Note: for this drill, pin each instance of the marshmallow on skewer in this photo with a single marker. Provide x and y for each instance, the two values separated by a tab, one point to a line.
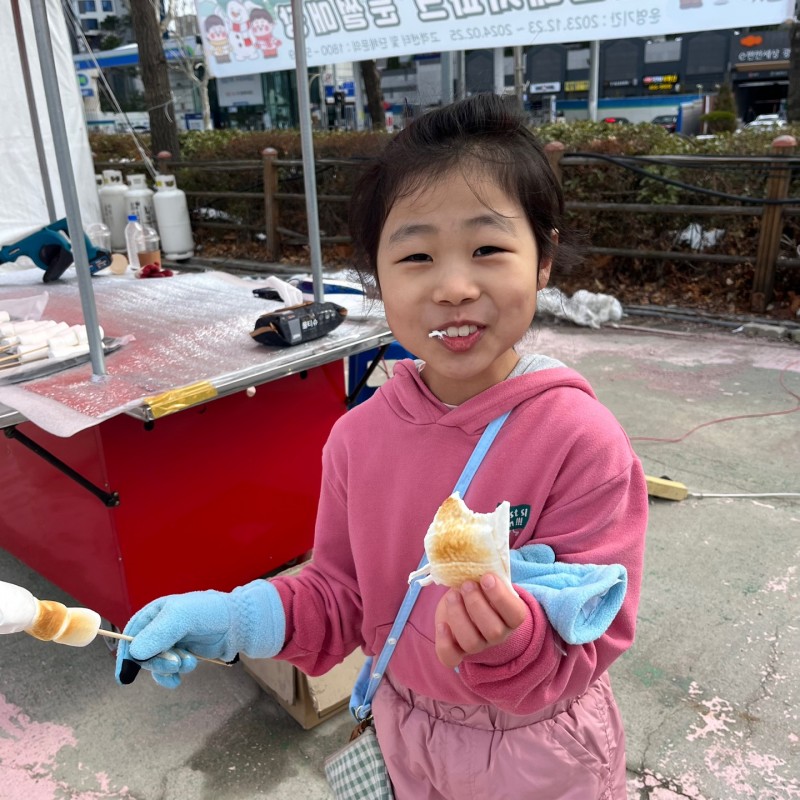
67	338
58	349
5	316
41	335
46	620
25	326
83	336
31	352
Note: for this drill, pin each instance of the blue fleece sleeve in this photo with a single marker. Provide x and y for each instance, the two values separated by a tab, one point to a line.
580	600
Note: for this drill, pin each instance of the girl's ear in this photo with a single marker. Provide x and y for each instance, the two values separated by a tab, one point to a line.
545	265
543	275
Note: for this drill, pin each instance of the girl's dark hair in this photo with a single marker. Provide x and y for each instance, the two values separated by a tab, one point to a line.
261	13
483	136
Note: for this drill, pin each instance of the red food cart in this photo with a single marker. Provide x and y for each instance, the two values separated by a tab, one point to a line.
195	464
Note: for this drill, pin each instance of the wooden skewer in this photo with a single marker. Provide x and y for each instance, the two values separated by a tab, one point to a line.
114	635
17	356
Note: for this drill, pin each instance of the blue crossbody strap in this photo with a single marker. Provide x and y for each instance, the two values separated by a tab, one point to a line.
378	668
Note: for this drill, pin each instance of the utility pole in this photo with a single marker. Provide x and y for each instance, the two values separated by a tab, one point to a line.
594	79
519	75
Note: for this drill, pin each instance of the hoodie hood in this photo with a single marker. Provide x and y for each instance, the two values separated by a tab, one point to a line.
410	399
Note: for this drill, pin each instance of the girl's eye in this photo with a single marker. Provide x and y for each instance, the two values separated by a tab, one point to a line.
488	250
417	257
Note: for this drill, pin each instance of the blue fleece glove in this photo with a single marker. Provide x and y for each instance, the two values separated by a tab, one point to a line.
580	600
167	632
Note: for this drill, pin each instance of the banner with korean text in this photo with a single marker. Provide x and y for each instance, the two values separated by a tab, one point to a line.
241	37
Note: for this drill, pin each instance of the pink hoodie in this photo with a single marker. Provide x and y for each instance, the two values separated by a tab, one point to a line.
573	482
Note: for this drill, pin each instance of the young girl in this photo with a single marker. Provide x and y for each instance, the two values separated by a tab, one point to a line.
459	222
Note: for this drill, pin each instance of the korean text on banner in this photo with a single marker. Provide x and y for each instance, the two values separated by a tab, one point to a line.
242	37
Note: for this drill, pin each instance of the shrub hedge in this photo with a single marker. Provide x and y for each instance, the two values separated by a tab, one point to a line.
712	285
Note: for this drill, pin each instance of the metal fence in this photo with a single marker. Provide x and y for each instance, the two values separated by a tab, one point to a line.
266	198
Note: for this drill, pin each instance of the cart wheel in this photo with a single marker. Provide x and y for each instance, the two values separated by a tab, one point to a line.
110	643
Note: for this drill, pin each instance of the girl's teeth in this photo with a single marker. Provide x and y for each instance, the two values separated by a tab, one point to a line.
463	330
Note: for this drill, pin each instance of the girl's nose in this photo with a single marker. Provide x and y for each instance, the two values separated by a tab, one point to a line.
455	284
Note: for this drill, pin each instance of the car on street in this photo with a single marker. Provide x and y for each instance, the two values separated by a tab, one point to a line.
669	122
616	120
765	122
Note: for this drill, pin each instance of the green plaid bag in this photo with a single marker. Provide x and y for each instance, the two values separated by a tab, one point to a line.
358	771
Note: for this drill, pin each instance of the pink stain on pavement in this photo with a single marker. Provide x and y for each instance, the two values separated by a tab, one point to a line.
736	768
28	752
717	349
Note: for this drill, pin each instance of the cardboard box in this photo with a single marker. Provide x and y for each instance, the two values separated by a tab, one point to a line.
309	700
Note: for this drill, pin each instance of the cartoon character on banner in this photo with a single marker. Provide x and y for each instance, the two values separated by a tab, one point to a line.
217	38
261	25
239	31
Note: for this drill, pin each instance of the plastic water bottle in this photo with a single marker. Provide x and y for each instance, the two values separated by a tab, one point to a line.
172	213
132	231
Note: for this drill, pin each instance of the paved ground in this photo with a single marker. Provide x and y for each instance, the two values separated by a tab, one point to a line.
709	691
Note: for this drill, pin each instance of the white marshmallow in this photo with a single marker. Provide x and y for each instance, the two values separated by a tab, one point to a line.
5	316
41	335
67	338
31	352
57	350
83	337
26	326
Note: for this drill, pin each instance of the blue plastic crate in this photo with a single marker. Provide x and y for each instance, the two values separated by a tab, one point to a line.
358	365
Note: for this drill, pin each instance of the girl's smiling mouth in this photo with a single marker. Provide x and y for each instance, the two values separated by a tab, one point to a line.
454	331
458	338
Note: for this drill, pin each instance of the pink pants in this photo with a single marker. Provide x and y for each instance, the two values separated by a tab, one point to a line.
573	750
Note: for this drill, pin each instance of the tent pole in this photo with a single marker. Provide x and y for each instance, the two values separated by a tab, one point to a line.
31	98
307	143
68	186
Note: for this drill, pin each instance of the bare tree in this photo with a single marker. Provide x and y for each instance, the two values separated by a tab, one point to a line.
155	77
372	87
186	61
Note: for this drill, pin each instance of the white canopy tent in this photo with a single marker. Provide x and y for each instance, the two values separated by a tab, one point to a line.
23	186
38	152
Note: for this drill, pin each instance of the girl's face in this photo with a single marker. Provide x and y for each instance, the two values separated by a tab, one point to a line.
449	261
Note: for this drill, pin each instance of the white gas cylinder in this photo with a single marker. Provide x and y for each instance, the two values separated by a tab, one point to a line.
114	207
140	200
172	215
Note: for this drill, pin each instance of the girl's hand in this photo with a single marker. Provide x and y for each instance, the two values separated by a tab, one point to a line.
475	617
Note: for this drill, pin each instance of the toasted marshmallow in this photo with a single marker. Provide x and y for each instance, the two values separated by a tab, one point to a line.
46	620
55	622
463	546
